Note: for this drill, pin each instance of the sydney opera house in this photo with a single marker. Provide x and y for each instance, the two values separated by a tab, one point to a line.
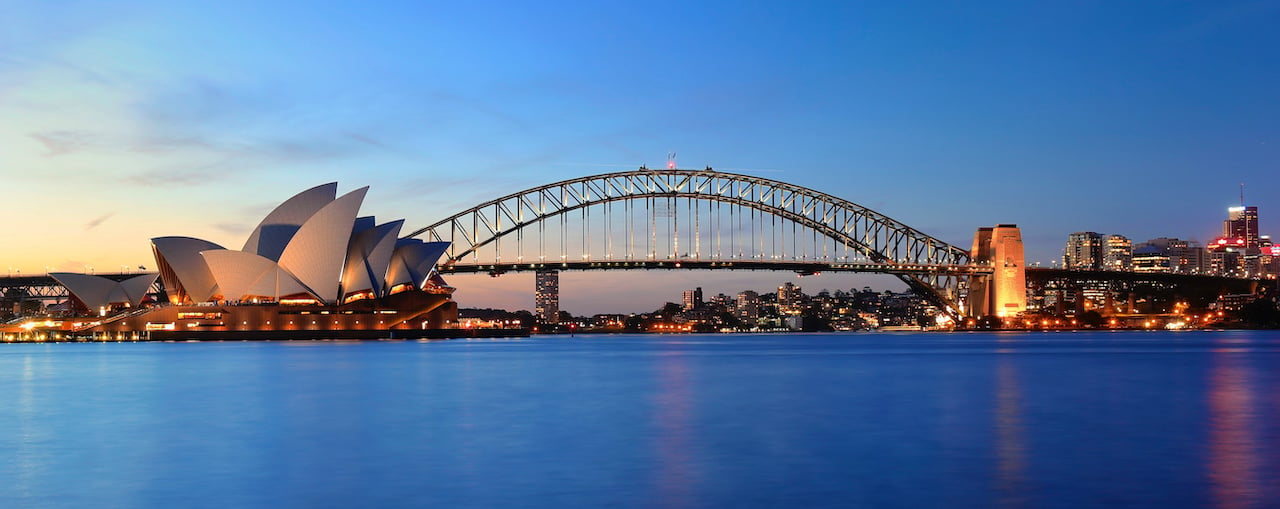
313	268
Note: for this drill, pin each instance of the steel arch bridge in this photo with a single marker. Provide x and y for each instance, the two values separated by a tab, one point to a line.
695	219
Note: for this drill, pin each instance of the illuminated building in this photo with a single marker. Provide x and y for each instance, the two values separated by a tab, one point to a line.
1242	223
1004	292
1118	254
1151	258
790	299
283	280
692	299
1083	251
748	305
546	296
1226	262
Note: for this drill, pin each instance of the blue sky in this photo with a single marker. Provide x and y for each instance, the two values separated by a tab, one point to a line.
122	121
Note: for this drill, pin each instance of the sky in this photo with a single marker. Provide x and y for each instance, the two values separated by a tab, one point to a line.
121	121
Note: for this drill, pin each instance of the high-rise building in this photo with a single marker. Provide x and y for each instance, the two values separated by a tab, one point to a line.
1083	251
1192	258
546	297
1118	254
692	299
748	305
1151	258
1242	223
1167	254
1226	262
790	299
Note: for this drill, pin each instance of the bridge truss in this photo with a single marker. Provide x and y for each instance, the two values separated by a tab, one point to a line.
696	219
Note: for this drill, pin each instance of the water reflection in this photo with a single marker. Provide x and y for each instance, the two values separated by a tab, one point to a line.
28	465
1233	449
673	441
1011	442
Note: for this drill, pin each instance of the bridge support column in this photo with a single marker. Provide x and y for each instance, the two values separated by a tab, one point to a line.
1004	292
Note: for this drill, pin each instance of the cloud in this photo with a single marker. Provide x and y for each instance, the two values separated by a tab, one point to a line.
232	228
94	223
58	143
367	140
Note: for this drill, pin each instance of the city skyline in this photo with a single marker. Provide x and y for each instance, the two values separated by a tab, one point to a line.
1140	119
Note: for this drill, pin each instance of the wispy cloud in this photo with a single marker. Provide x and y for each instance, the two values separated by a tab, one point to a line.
58	143
98	221
367	140
232	228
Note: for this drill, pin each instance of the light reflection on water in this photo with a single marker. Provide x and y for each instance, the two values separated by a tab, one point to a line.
1011	447
1153	419
1234	463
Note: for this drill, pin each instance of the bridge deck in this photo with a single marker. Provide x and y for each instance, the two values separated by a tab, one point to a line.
792	266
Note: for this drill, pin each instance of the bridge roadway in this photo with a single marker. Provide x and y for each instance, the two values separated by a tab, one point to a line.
802	268
1199	284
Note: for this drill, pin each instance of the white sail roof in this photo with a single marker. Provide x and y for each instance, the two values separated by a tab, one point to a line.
97	291
368	256
276	230
244	275
190	276
313	244
318	250
412	261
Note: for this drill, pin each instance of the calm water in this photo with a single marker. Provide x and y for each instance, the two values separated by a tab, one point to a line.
863	420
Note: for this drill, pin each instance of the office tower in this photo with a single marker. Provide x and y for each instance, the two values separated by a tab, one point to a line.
748	305
1118	254
1083	251
692	299
546	297
790	299
1242	223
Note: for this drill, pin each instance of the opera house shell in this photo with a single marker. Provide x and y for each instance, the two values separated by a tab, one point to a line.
311	269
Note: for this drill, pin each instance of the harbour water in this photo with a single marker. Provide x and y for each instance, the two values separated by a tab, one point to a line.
1084	419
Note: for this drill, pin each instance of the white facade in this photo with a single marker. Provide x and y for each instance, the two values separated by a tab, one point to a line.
99	292
311	247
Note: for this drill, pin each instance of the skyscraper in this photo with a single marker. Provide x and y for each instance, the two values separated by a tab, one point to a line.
1118	254
1242	223
790	299
692	299
1083	251
546	297
748	305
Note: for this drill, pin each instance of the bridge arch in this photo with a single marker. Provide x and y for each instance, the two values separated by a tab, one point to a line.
869	241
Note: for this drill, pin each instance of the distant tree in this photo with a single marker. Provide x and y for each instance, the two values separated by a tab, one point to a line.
1091	319
635	323
525	317
813	323
729	320
669	310
1261	313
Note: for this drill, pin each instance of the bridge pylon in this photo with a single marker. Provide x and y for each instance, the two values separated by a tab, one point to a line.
1003	292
